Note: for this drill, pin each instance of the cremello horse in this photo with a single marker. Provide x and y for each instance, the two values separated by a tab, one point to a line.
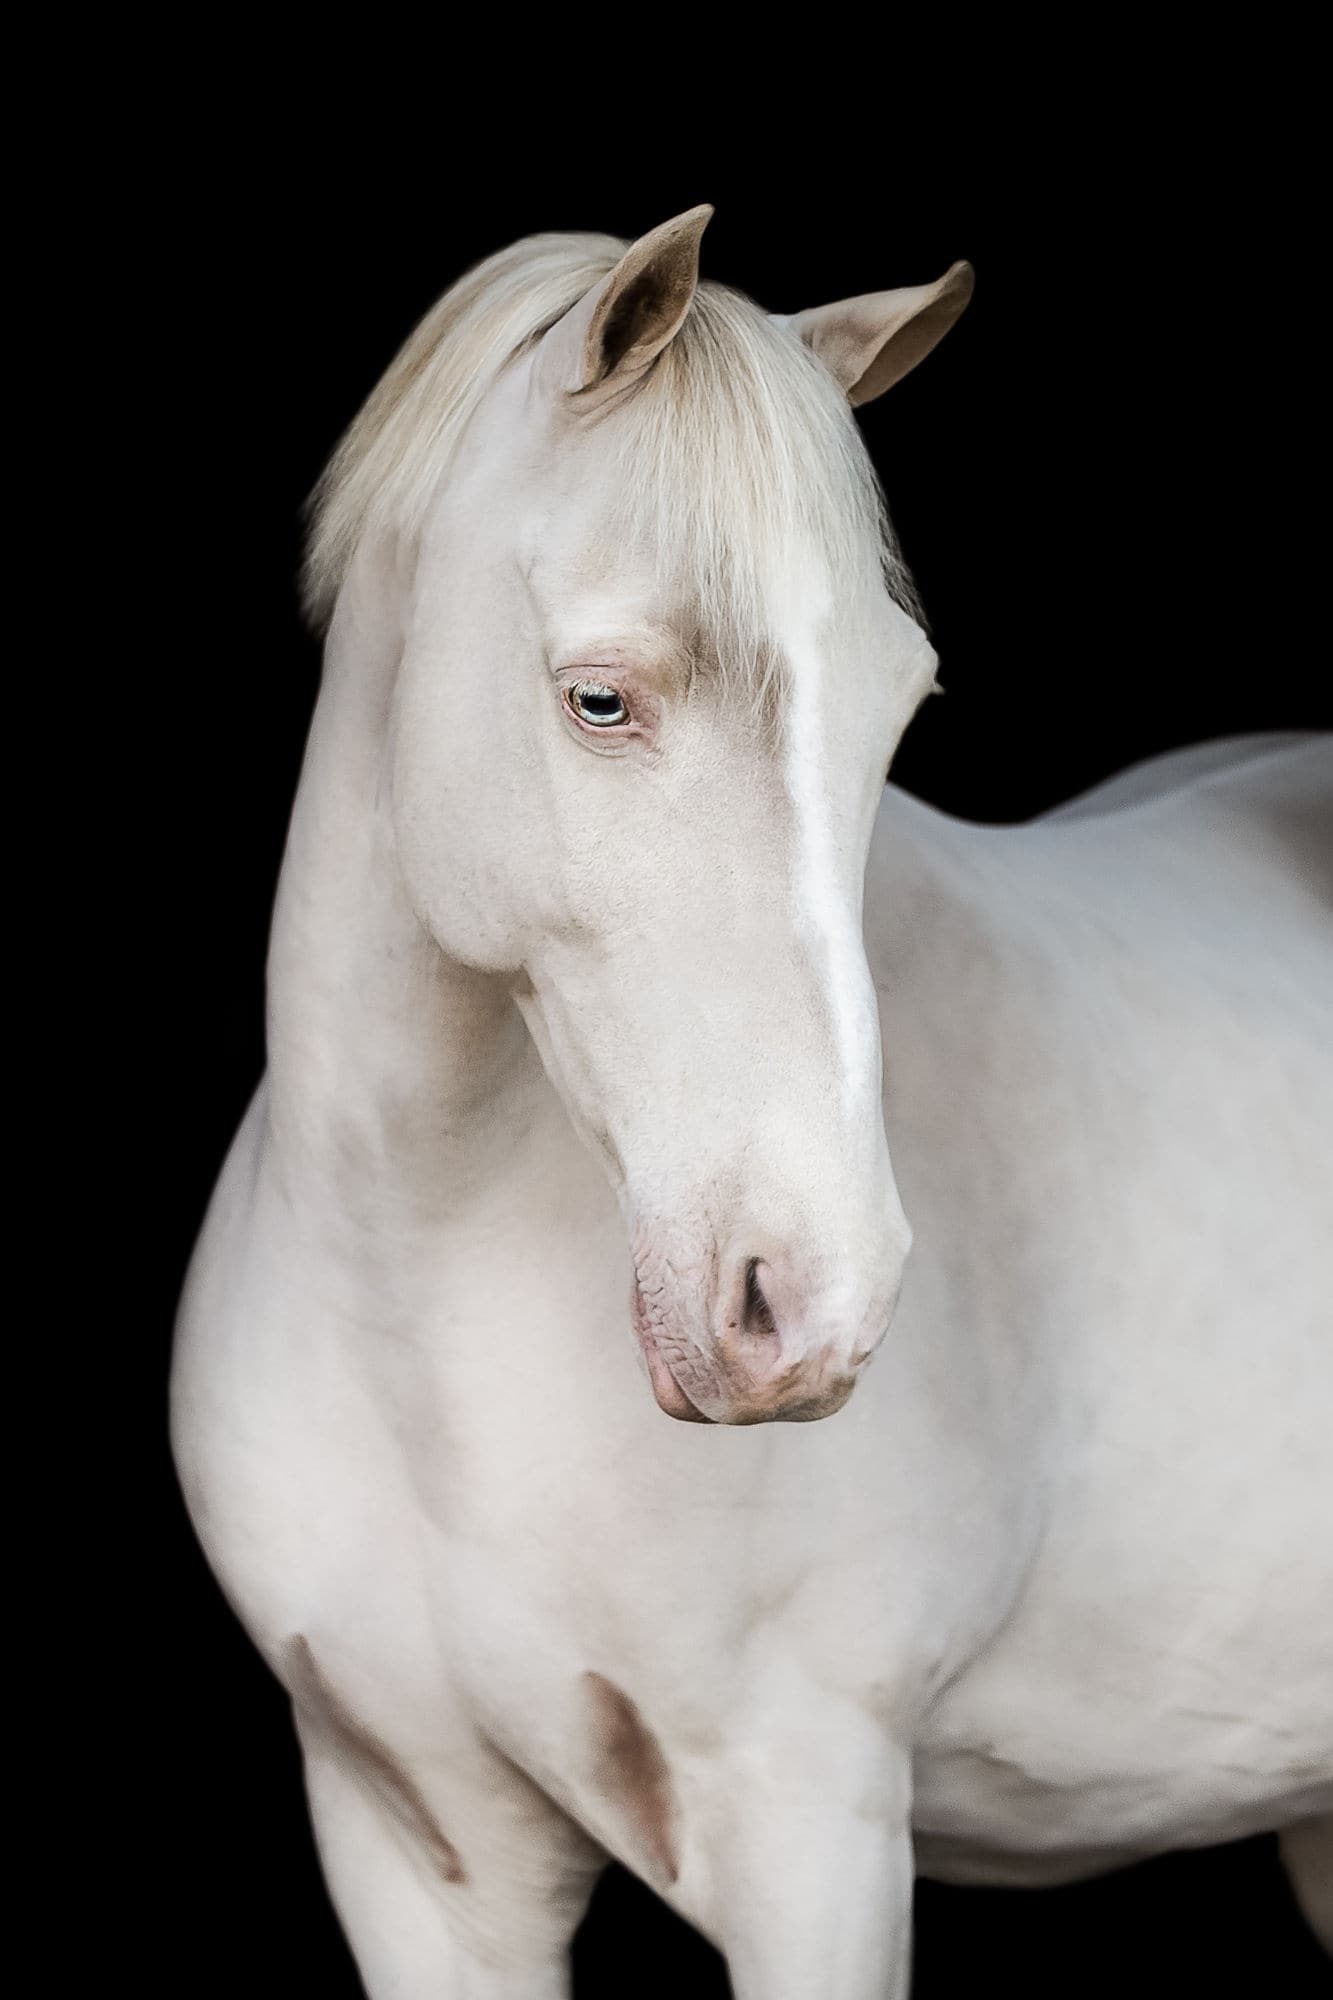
595	917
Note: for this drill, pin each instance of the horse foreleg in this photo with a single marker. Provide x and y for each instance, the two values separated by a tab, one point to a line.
812	1883
487	1918
1307	1856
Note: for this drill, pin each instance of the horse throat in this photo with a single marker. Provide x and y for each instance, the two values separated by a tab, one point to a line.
394	1072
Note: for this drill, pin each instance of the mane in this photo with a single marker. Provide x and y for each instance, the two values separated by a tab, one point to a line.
738	454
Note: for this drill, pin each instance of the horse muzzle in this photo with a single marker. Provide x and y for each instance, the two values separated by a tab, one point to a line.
775	1347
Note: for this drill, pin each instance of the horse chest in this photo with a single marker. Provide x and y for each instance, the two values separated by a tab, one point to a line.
615	1671
619	1622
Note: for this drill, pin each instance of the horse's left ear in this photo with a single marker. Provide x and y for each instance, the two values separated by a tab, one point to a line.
871	342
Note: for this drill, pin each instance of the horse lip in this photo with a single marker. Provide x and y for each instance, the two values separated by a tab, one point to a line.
671	1398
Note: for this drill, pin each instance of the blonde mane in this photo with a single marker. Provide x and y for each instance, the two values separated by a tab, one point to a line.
738	454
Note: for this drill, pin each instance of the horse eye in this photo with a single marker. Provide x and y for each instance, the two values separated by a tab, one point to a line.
593	702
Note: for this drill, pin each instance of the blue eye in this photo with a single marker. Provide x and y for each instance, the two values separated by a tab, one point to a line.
598	705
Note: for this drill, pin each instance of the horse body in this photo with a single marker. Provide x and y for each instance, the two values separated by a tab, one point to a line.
1144	1691
1048	1590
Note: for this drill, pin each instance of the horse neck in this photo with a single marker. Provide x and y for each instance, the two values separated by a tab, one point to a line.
390	1065
936	897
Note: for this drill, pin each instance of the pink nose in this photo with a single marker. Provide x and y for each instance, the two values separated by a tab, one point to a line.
783	1349
787	1346
782	1338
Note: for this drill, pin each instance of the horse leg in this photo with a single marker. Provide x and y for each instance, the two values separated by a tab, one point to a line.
812	1896
488	1918
1307	1856
823	1911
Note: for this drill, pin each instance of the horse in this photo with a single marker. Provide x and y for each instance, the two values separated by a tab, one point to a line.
957	1498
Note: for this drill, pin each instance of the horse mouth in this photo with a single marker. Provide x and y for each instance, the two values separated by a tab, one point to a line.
671	1398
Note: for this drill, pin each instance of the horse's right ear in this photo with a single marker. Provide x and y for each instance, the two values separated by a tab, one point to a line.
618	328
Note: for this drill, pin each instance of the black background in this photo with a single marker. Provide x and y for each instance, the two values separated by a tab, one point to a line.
1101	483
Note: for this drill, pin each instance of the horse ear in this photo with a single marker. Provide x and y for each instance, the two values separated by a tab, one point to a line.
622	324
871	342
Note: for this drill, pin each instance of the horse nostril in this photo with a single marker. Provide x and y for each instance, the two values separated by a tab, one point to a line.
757	1314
